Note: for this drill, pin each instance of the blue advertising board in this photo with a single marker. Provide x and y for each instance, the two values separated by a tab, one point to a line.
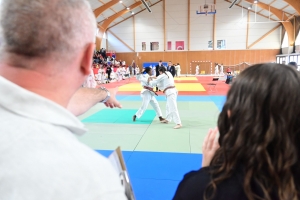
153	64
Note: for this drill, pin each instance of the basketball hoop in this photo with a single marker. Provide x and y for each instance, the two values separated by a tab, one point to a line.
207	9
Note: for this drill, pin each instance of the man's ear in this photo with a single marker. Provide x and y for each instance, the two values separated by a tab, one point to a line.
87	59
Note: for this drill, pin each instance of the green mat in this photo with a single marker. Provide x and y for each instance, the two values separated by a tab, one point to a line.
120	116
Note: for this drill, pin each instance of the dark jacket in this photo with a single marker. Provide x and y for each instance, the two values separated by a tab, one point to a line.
172	70
156	69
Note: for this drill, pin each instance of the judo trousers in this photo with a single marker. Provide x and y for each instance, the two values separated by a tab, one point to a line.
148	98
172	110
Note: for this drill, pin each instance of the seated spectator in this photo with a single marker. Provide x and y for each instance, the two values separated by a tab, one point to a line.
257	154
294	64
41	157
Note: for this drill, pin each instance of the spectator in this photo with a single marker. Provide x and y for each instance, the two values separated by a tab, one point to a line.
293	64
257	153
53	164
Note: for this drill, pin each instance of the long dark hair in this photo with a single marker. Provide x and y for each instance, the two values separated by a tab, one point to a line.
163	70
260	133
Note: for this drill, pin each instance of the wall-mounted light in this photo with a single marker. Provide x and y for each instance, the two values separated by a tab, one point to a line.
255	1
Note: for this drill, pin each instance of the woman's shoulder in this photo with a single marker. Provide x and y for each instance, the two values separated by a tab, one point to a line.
194	185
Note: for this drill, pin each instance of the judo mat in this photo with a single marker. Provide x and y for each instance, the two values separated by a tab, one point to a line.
156	155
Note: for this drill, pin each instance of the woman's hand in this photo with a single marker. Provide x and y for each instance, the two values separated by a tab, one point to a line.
210	146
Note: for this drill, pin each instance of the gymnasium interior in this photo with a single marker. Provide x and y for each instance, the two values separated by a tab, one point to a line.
204	33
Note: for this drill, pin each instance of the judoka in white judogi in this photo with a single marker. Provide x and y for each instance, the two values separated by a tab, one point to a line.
197	70
147	95
165	82
217	69
101	75
90	81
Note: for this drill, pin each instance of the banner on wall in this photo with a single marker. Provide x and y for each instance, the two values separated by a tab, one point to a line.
143	46
169	45
179	45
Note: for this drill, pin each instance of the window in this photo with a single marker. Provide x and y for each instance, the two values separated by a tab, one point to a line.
221	44
169	45
154	46
285	42
143	46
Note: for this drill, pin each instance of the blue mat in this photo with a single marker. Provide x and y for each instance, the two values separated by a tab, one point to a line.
155	175
120	116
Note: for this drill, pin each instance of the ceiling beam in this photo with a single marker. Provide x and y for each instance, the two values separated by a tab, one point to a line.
295	4
134	14
281	16
104	7
264	36
251	10
108	21
129	47
103	27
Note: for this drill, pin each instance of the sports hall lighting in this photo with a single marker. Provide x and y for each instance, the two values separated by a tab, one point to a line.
127	8
233	3
147	6
255	1
120	1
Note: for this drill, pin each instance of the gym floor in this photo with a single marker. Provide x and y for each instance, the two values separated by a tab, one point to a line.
156	155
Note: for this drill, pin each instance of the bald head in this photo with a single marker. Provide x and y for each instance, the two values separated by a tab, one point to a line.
46	28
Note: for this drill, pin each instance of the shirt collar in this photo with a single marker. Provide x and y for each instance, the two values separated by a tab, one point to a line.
30	105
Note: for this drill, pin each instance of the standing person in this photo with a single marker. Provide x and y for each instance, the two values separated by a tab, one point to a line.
228	70
108	71
157	72
90	80
222	69
137	70
130	70
148	95
197	70
217	69
171	68
119	73
53	164
178	70
101	73
154	71
165	82
254	152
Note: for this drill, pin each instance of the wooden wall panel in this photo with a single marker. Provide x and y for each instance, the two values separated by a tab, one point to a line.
227	57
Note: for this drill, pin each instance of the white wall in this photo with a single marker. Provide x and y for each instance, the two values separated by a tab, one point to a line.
231	26
257	30
201	30
176	22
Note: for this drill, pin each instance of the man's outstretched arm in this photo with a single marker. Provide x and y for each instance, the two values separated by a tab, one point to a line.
85	98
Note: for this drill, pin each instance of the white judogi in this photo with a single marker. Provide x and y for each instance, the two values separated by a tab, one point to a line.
90	81
119	74
101	75
154	71
178	70
197	70
123	72
163	81
221	70
217	70
137	70
147	96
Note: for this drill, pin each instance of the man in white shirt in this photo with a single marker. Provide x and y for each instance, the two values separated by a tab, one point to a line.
40	157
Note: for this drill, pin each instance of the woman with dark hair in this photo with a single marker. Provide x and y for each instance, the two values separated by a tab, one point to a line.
257	154
165	82
148	95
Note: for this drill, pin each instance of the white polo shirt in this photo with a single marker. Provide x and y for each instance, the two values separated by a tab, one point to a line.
40	157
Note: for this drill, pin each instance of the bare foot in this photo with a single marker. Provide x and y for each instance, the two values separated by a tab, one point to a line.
164	121
178	126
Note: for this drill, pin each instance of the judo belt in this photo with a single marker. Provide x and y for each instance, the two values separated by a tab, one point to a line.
151	89
170	87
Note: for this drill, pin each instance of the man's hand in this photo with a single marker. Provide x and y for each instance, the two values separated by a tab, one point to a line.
112	102
210	146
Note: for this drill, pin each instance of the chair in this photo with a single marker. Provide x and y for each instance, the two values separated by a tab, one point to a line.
212	86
